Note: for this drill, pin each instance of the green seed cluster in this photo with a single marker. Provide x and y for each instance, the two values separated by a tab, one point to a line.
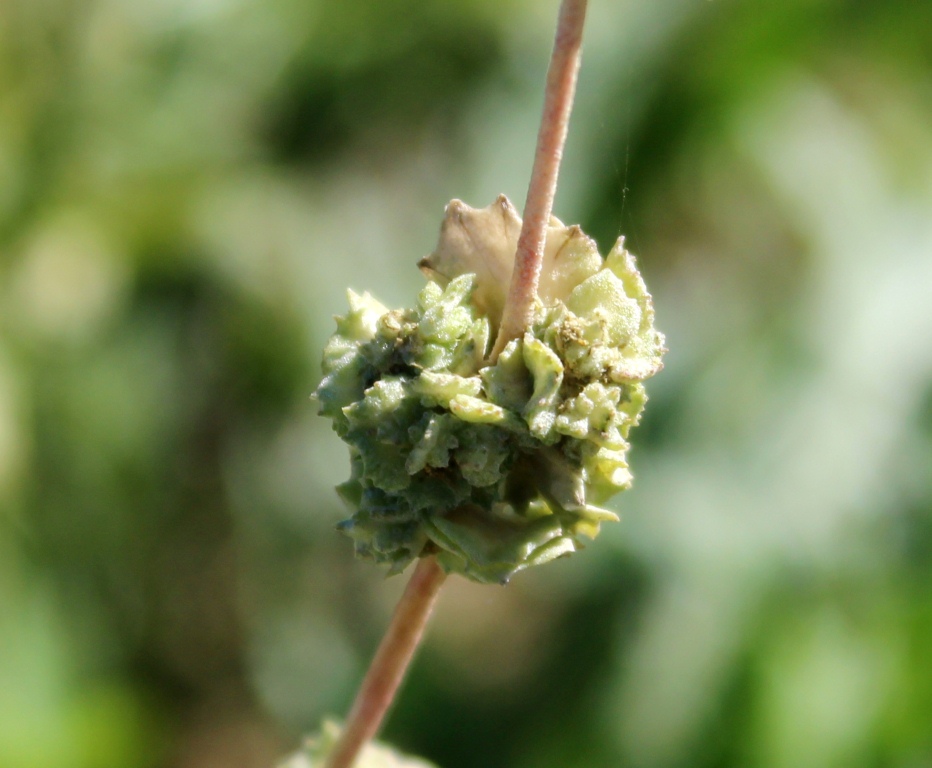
492	468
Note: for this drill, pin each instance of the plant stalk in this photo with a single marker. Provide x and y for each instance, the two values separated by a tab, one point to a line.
413	611
558	103
390	663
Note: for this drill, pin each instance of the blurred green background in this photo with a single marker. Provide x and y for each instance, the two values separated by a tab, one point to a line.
186	189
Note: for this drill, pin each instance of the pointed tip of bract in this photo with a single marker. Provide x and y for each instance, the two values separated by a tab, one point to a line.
481	241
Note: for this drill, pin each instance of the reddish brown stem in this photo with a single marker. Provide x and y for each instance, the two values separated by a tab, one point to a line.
558	103
404	634
391	660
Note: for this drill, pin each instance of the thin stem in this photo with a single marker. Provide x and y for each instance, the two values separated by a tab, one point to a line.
407	626
558	103
391	660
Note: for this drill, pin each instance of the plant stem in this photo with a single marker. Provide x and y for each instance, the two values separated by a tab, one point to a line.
391	660
558	103
407	626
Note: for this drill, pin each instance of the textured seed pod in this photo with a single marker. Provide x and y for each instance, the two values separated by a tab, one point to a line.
493	468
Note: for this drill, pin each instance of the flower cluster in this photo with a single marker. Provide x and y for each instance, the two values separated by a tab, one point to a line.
491	467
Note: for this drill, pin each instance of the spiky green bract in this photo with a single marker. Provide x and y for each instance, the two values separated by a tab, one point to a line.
374	754
494	468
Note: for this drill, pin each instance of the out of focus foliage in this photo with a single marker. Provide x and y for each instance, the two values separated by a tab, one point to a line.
187	188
